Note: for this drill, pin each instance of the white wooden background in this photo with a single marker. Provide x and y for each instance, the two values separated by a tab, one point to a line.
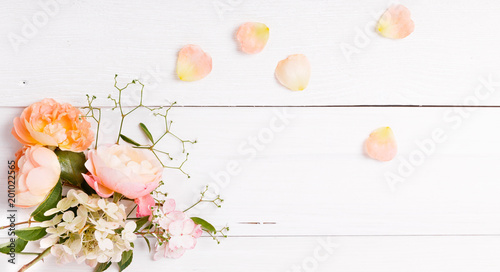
308	183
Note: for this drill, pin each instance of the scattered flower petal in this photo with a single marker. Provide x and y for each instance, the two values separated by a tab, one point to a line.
294	72
396	22
381	145
193	63
252	37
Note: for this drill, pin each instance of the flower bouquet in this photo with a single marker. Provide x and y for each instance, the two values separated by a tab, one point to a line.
84	197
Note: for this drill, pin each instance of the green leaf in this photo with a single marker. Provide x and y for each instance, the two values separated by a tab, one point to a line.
72	166
18	246
49	203
147	242
146	131
204	225
117	197
31	234
126	259
102	267
140	223
128	140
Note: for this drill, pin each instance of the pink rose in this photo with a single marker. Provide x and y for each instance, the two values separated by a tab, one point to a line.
37	172
129	171
144	205
49	123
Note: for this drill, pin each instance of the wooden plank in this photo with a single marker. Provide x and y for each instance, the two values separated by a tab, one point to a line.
384	254
80	47
312	178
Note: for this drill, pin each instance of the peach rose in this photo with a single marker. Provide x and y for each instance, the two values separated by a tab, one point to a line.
49	123
129	171
37	172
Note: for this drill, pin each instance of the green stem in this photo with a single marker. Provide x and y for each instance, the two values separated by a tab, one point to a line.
16	224
194	205
98	127
131	212
34	261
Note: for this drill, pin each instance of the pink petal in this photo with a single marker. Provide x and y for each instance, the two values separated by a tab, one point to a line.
396	23
47	158
252	37
40	137
102	191
188	242
188	226
193	63
175	242
160	252
168	206
174	254
89	164
27	199
294	72
197	231
144	205
116	179
21	133
176	215
175	228
41	180
164	222
381	145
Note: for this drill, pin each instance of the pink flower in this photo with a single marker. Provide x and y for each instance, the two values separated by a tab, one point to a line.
131	172
49	123
294	72
381	144
396	22
252	37
170	214
167	252
144	205
37	172
184	234
193	63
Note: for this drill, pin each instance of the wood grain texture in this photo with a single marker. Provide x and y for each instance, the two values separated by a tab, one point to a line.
351	254
81	47
313	178
292	177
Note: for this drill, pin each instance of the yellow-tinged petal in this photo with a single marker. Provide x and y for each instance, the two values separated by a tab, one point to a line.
193	63
396	23
381	145
252	37
294	72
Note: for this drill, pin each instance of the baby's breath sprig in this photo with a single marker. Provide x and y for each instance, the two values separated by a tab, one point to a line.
91	110
157	111
219	233
158	195
216	201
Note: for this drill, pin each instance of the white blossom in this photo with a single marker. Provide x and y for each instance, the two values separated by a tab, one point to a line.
96	233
